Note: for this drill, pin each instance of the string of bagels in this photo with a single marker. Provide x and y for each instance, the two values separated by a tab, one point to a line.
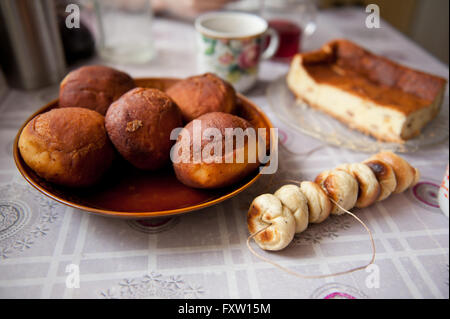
274	219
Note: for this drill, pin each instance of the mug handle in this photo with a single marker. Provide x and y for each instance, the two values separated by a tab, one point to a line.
273	45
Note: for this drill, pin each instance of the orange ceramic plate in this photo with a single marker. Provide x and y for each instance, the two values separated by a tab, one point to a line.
130	193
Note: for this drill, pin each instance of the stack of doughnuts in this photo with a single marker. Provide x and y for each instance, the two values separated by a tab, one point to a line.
210	102
101	114
291	208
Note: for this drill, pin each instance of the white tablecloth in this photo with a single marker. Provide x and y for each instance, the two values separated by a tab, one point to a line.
203	254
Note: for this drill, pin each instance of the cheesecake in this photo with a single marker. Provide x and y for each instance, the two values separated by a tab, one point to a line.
367	92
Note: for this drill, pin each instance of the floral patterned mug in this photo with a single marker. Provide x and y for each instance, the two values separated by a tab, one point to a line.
231	44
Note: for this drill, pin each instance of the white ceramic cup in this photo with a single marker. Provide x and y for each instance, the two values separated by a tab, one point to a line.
230	44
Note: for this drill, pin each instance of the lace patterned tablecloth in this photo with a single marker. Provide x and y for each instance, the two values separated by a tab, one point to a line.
203	254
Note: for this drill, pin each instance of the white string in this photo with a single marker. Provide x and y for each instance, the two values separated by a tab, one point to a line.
316	276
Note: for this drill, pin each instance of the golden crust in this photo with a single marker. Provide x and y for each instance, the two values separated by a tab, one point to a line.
198	95
140	123
94	87
340	186
369	187
385	176
349	67
417	176
207	172
319	205
67	146
265	210
293	198
405	174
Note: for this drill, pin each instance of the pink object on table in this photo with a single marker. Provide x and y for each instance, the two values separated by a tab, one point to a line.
443	194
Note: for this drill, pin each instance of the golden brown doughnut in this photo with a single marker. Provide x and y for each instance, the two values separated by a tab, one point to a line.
200	168
94	87
140	123
201	94
67	146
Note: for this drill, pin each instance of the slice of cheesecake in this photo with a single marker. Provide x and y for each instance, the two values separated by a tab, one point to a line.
369	93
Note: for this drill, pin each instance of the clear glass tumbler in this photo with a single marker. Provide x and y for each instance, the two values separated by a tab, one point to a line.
124	30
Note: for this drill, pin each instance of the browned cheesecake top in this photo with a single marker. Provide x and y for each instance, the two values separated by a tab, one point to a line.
349	67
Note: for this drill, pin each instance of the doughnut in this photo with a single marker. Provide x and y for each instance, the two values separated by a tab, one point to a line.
140	123
201	94
67	146
202	166
94	87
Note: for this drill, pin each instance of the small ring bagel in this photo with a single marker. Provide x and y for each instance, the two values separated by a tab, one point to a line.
385	176
265	210
292	197
341	187
319	206
404	172
369	188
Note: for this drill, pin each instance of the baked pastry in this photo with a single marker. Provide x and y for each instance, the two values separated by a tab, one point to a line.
367	92
267	209
385	176
140	124
201	94
339	184
416	177
94	87
292	197
67	146
341	187
205	162
405	174
319	206
369	188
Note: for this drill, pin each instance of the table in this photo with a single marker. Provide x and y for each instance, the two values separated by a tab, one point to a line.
203	254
